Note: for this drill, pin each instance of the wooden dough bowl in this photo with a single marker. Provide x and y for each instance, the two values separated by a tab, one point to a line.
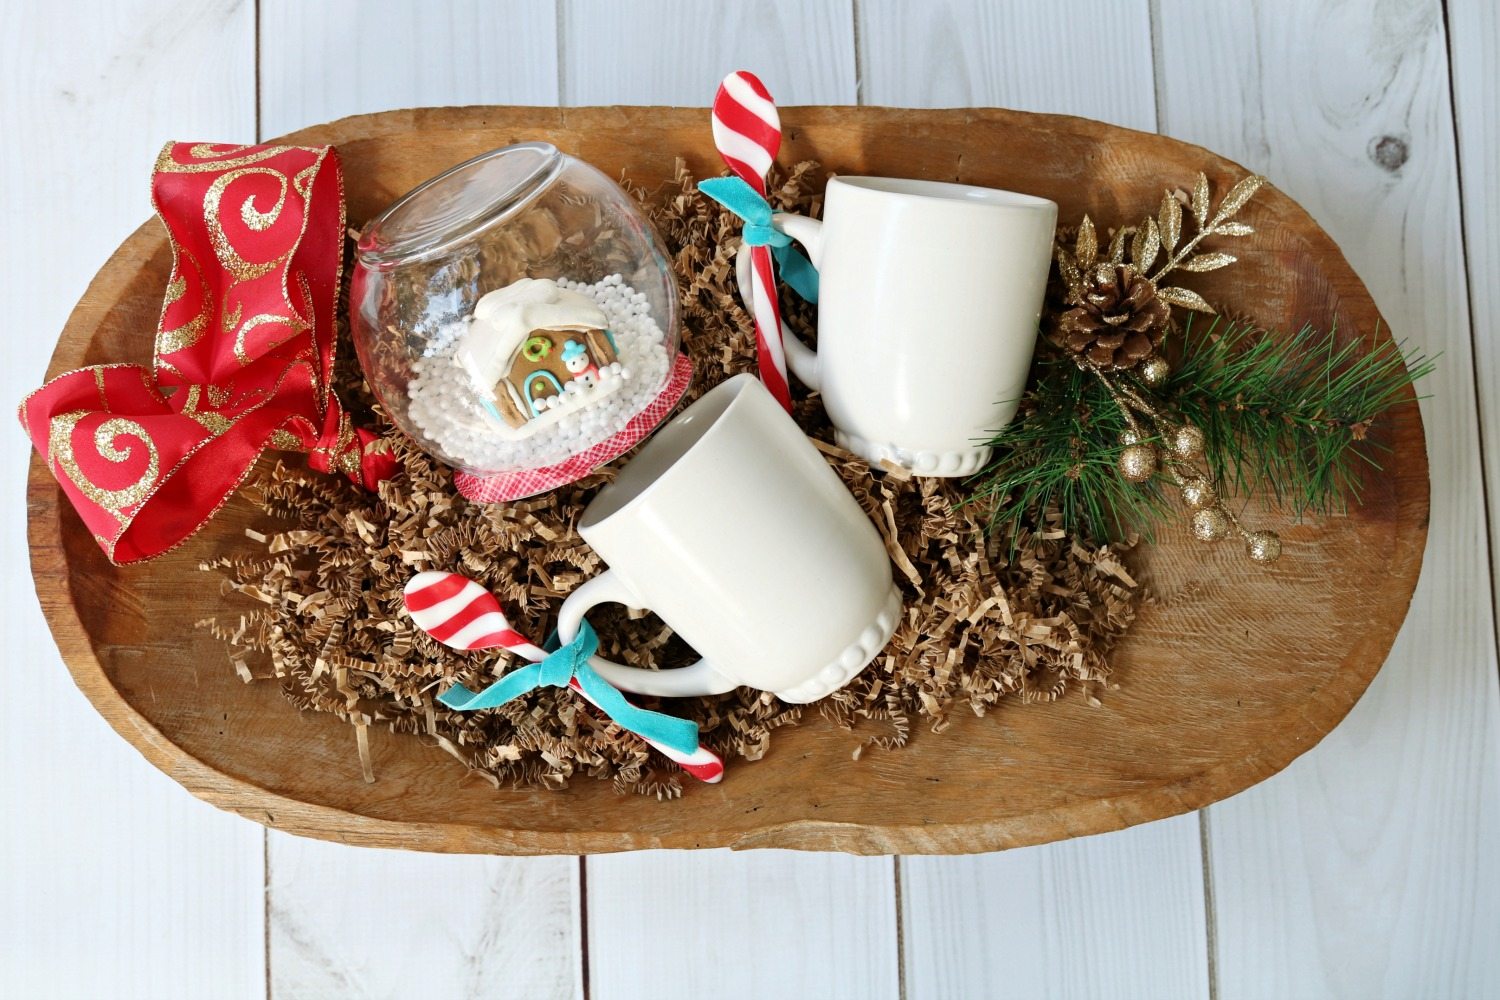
1233	672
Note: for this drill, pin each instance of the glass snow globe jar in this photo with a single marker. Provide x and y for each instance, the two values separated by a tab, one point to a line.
517	317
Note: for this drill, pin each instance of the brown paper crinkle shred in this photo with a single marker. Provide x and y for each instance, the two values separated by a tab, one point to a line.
320	606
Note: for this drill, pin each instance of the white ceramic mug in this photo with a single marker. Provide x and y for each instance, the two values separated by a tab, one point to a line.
928	303
731	526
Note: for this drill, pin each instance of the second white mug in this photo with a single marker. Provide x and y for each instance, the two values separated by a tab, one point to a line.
928	303
731	526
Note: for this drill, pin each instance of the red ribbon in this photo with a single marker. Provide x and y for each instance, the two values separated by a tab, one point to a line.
244	354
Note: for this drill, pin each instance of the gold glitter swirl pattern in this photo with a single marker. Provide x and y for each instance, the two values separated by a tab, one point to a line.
214	423
323	386
303	181
252	217
60	457
293	325
207	159
182	337
258	221
285	440
346	453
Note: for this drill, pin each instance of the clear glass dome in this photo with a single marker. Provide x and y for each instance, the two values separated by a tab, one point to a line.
515	313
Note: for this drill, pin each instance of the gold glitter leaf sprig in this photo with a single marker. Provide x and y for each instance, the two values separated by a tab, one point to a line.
1159	244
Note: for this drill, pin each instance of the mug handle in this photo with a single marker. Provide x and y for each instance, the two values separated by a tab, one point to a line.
683	682
800	359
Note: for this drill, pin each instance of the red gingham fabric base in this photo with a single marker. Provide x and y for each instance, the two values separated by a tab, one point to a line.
529	482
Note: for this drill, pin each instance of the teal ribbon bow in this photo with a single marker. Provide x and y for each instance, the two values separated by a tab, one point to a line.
561	666
743	200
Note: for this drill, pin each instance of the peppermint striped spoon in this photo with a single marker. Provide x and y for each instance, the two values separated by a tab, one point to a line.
747	133
461	614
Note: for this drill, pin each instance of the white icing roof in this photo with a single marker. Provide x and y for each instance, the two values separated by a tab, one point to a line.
504	318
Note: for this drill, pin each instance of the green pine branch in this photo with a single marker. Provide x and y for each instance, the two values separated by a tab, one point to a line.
1059	453
1285	419
1289	419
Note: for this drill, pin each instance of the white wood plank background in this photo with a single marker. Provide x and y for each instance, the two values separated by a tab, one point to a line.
357	922
1368	869
1473	41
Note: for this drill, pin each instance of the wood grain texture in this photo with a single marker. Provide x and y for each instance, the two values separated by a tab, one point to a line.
1119	915
675	52
355	923
321	61
1369	868
1049	897
1474	45
115	883
1186	732
669	925
1079	57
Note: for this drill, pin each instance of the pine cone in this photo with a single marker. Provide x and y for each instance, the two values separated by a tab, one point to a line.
1119	320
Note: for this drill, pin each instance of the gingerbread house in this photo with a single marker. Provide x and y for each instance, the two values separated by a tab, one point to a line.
536	349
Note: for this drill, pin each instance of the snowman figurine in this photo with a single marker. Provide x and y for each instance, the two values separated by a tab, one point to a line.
577	361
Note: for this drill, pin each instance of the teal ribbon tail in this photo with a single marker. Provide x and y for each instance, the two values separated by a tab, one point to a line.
797	271
679	734
743	200
562	665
